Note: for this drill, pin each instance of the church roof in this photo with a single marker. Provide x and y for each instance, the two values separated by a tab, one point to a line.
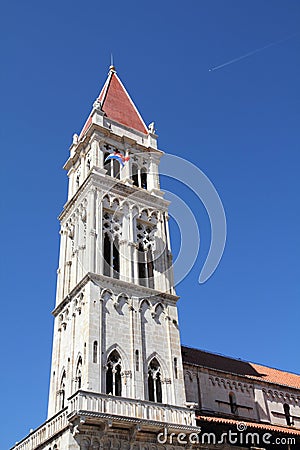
117	104
255	425
239	367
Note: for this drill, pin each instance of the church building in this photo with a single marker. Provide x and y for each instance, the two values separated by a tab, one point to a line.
120	378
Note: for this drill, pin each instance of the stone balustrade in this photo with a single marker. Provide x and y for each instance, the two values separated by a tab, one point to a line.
126	407
44	432
85	402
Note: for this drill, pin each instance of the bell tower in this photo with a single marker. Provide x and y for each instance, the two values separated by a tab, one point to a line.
116	358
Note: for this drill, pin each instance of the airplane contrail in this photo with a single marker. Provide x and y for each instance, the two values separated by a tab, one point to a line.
257	50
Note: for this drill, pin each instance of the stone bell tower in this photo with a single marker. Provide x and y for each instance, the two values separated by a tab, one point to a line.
116	364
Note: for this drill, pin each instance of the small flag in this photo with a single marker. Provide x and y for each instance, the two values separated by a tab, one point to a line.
118	157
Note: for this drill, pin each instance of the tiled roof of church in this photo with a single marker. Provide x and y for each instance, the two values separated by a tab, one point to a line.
117	104
255	425
239	367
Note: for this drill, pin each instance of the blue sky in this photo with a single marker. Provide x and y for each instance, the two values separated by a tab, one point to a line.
239	124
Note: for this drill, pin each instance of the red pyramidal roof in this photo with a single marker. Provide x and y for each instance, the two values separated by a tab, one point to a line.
117	104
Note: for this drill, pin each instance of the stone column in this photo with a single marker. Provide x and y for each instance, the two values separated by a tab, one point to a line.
99	254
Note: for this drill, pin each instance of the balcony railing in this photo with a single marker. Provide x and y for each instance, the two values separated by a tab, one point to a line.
84	402
127	407
44	432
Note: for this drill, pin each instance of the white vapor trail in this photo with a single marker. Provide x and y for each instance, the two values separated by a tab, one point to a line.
252	52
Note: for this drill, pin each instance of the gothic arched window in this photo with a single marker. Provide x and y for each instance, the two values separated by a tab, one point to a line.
135	175
287	414
107	254
107	164
145	266
116	258
113	374
62	391
232	403
111	256
143	178
79	373
154	382
112	166
150	274
116	168
142	268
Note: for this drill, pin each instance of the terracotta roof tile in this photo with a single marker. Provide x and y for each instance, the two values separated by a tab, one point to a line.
117	105
239	367
261	426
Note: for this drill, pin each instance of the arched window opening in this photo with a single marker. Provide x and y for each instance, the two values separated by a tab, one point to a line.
88	164
143	178
79	373
111	257
154	382
107	164
142	269
113	374
116	259
135	175
62	391
137	360
112	166
150	269
287	414
95	352
116	168
145	266
77	180
232	403
107	255
176	368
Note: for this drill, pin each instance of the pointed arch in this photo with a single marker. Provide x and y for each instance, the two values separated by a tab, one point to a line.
135	210
135	174
162	363
159	309
144	306
119	349
106	201
144	214
106	294
115	204
153	217
143	178
113	374
121	301
154	381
